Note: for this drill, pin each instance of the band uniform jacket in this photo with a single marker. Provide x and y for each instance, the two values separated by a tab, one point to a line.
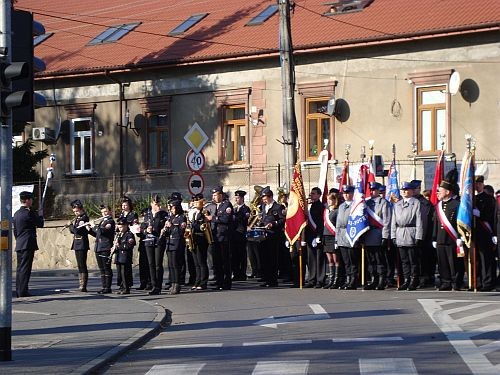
104	234
80	235
406	223
174	236
274	215
25	223
157	221
124	248
375	235
486	205
427	211
131	217
450	208
240	218
316	212
222	221
332	215
341	225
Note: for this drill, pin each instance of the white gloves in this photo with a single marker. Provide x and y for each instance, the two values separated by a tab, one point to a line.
314	242
287	244
459	242
476	212
494	239
318	240
336	246
303	243
434	244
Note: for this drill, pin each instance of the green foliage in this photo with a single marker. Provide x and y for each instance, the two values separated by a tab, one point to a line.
24	162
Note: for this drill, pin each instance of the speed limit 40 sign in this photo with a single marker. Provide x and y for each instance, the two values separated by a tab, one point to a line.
195	161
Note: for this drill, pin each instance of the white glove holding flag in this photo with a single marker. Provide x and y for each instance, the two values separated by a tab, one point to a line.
434	244
318	240
494	239
336	246
476	212
303	243
287	244
314	243
459	242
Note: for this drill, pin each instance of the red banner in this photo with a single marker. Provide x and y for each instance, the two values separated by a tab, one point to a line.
438	177
296	218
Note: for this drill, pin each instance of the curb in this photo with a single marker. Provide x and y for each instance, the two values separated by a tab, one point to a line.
162	320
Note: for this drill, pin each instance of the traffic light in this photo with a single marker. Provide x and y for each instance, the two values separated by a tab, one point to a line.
23	31
9	98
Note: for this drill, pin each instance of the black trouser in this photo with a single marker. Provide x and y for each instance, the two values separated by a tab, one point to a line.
409	261
428	259
254	258
351	257
125	272
295	260
391	260
104	264
269	258
175	260
485	263
81	261
130	278
376	260
222	263
447	261
23	271
316	264
144	275
239	255
284	259
155	261
191	267
200	261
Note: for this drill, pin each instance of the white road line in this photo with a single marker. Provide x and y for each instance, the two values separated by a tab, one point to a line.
190	346
488	348
281	368
387	366
181	369
32	312
284	342
368	339
317	309
472	318
485	329
466	308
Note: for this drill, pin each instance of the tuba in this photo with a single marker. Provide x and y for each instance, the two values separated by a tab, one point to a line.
207	231
282	193
254	207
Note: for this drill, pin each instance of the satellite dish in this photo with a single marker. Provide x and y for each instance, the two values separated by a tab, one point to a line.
454	83
342	110
330	109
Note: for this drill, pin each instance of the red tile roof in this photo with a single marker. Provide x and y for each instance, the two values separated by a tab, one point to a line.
223	34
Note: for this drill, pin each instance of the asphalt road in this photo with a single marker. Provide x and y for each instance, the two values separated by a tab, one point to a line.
250	330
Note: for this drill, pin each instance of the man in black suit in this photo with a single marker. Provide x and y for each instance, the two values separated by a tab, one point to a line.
25	223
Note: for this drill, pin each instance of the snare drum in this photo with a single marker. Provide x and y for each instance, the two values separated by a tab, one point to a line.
256	235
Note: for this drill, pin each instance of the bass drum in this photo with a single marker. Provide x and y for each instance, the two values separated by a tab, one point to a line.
256	235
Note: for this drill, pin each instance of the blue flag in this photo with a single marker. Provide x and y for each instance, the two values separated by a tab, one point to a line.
358	219
464	216
392	192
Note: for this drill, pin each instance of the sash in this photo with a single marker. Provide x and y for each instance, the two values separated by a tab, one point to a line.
374	219
328	223
310	220
449	228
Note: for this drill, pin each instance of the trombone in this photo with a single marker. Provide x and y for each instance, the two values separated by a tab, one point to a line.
206	229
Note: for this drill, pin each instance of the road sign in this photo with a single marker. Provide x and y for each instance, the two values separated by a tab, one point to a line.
195	162
196	138
196	184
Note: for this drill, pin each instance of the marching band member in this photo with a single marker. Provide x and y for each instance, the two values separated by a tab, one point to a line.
132	219
333	255
200	242
104	233
376	239
407	234
273	220
239	240
80	242
144	275
314	231
175	244
123	250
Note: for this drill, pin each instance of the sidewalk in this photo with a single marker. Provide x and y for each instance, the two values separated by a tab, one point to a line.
60	331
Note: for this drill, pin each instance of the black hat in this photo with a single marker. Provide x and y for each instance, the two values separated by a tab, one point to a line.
450	181
121	221
416	183
176	196
479	179
333	191
23	195
76	203
217	189
197	197
381	188
103	206
240	193
348	189
374	185
156	198
407	186
266	192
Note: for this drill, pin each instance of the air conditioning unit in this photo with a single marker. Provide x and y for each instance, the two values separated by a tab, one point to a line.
43	134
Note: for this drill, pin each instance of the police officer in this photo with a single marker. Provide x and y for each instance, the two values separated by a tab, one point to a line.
25	223
273	220
376	239
239	240
104	233
407	235
123	249
314	231
80	242
221	221
175	244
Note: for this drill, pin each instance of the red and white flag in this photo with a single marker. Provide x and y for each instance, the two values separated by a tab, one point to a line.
296	218
438	177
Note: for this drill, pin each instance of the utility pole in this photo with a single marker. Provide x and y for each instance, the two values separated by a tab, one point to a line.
5	198
288	91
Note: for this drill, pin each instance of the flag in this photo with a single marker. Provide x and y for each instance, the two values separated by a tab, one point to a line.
296	218
358	220
464	216
392	192
438	177
344	180
370	177
323	158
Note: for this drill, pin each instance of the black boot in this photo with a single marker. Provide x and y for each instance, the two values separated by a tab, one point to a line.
405	285
329	279
353	284
103	284
381	282
371	285
413	284
347	281
108	282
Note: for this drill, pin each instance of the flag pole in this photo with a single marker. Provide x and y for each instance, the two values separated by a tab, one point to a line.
397	251
363	156
473	231
347	150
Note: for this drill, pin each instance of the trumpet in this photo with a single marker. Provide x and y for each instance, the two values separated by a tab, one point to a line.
207	231
254	207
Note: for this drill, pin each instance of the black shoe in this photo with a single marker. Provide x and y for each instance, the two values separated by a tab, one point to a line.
251	276
445	288
217	288
371	286
309	285
106	291
141	287
318	286
404	286
27	294
486	289
155	292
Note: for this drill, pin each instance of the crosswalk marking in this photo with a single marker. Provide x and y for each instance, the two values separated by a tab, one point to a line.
387	366
281	368
176	369
284	342
190	346
466	307
472	318
317	308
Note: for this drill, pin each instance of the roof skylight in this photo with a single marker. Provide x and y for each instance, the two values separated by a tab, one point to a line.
263	16
40	38
187	24
113	33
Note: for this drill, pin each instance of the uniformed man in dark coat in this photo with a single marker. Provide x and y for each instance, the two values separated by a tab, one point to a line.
25	223
80	242
314	231
200	242
273	220
123	251
221	221
144	275
239	240
175	244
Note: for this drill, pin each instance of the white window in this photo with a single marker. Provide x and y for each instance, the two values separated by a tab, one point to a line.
81	146
431	119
